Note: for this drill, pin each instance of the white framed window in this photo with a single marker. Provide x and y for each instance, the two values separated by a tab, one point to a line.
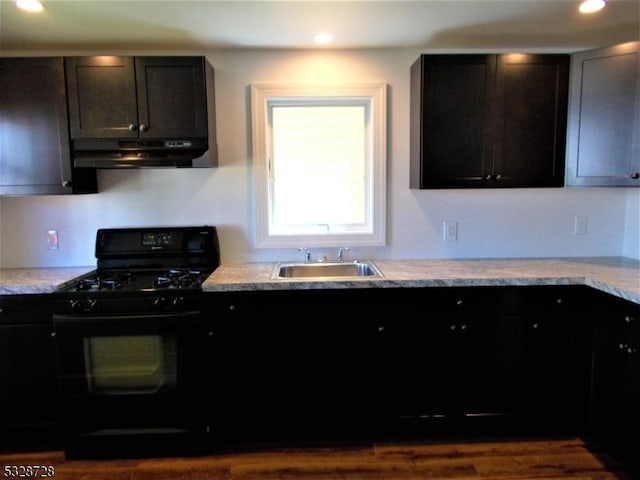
319	164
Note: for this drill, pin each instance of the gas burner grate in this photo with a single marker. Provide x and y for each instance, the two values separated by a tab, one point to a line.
109	281
176	278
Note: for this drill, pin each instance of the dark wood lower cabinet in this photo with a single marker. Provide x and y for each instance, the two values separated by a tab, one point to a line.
288	358
545	360
557	359
615	405
352	356
459	354
536	360
28	376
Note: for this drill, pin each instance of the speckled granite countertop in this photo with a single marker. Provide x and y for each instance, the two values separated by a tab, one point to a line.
615	275
14	281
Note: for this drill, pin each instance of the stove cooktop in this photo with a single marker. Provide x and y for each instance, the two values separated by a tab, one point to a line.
140	281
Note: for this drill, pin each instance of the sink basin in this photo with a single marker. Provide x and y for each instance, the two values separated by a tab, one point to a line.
327	270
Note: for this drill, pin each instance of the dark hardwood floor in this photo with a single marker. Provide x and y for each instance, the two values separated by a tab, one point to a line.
557	459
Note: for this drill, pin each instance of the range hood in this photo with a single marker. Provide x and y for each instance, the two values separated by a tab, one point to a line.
142	153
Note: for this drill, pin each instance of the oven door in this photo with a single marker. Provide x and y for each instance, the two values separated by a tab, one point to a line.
130	376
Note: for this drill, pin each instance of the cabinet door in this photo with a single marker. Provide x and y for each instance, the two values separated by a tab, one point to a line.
172	97
28	372
615	411
490	367
610	396
557	366
531	118
451	130
633	441
102	97
34	137
233	377
423	364
30	415
286	358
320	357
604	123
461	355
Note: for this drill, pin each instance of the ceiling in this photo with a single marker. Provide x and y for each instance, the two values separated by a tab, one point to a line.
431	24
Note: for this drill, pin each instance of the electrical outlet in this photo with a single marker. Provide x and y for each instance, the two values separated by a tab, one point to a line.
52	239
580	226
450	231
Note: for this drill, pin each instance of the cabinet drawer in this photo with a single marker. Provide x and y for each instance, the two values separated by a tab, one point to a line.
465	300
559	299
302	304
23	309
617	314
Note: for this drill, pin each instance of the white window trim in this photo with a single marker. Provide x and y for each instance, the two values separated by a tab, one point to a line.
261	95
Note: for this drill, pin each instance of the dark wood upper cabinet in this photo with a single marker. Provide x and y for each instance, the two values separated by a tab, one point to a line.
137	97
34	136
102	97
172	96
604	117
488	120
449	113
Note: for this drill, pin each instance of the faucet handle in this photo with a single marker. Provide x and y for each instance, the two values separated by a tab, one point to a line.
340	254
306	254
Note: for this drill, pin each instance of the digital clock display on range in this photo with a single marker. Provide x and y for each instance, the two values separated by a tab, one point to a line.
156	239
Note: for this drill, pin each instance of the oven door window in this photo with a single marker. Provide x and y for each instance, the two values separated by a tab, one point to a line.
127	364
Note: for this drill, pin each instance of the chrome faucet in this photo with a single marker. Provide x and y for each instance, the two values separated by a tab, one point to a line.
340	254
306	253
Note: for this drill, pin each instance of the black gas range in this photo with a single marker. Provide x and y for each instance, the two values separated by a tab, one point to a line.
130	343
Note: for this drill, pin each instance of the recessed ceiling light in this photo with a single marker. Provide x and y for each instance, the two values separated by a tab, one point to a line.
323	37
590	6
30	5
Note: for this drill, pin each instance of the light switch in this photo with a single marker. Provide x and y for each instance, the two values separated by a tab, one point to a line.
450	231
580	226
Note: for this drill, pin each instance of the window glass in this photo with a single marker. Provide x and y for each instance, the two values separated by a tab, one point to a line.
313	147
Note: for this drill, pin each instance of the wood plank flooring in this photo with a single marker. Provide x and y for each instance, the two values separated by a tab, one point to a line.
564	459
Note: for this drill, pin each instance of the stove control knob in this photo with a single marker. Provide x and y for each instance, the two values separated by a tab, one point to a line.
160	302
75	305
93	305
178	301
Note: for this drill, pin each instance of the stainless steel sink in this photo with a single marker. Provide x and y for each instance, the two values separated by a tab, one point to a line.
326	270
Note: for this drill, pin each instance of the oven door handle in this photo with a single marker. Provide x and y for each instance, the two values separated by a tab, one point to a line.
155	319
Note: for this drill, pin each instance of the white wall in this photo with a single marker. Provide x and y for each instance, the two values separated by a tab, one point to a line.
631	247
491	223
